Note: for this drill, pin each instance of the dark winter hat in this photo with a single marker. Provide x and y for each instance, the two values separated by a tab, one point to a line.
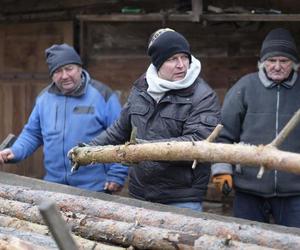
59	55
279	42
165	43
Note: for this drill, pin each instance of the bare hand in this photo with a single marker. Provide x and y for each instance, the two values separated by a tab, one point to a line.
112	187
6	155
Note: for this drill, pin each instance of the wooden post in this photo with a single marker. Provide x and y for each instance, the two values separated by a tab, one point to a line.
197	9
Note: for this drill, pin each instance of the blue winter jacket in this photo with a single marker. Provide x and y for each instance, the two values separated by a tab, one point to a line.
59	122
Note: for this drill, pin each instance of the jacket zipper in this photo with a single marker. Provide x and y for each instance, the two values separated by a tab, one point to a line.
63	140
56	113
277	128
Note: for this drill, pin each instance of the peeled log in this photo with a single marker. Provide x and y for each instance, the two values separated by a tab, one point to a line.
252	234
203	151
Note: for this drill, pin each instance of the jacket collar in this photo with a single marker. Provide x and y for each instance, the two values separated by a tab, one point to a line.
268	83
85	79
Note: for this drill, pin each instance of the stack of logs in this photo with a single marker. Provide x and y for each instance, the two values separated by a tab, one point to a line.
100	224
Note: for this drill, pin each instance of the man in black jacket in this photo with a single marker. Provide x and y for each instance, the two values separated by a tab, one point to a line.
170	102
255	110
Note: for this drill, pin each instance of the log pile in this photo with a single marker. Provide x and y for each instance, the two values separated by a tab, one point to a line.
97	222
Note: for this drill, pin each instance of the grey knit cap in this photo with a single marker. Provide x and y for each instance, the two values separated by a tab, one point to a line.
59	55
279	42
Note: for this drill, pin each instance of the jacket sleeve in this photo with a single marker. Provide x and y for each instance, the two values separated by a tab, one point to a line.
116	172
232	116
30	138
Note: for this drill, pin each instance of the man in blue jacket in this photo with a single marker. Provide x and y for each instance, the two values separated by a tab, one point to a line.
72	109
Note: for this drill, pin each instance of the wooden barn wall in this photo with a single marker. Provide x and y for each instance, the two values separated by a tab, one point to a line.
23	74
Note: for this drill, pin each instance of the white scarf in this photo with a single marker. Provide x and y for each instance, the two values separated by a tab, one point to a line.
158	86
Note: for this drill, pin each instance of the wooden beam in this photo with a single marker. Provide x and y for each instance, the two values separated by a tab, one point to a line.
152	17
252	17
195	16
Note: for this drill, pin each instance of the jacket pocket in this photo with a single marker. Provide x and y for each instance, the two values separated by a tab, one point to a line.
84	110
175	113
209	120
138	116
139	110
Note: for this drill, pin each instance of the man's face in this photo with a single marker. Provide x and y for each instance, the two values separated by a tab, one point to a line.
67	78
278	68
175	67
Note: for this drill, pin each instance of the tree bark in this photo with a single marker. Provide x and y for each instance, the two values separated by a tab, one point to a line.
73	205
202	151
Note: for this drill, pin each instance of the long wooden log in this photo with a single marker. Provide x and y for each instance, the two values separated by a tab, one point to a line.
252	234
23	225
202	151
116	232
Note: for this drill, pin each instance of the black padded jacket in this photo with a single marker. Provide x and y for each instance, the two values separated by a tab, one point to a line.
181	115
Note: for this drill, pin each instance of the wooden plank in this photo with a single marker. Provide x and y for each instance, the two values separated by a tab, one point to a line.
23	75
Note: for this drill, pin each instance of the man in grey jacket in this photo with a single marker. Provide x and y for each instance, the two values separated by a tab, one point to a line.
255	110
170	102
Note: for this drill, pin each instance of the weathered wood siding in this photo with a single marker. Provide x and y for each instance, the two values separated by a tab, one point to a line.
23	74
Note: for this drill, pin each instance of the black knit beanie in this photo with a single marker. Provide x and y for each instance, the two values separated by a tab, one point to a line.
279	42
59	55
165	43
